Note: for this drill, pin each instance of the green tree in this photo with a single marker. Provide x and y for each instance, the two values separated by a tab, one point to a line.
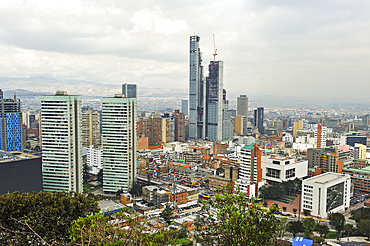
235	221
337	221
265	204
309	226
167	214
284	209
43	217
137	189
283	226
184	232
364	228
294	210
99	177
295	227
306	212
322	229
348	230
273	191
85	172
119	192
219	170
97	230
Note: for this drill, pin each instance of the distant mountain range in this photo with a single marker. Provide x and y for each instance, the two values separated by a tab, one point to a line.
41	86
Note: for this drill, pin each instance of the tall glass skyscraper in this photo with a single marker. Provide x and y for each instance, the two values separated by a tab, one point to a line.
61	142
214	101
11	124
196	90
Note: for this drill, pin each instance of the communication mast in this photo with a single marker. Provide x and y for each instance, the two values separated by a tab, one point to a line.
214	47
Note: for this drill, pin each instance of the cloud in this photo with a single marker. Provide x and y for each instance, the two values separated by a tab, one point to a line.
267	46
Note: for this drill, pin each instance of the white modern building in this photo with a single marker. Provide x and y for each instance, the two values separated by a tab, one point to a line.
119	142
61	142
326	193
94	158
281	168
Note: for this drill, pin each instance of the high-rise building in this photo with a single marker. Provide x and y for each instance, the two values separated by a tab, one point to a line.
185	107
129	90
11	124
242	105
320	136
179	126
196	90
365	119
61	142
258	120
91	128
250	171
119	142
214	101
156	128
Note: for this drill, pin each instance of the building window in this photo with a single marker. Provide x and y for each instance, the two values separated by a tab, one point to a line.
290	173
273	173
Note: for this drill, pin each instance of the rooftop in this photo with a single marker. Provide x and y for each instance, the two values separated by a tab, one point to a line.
325	178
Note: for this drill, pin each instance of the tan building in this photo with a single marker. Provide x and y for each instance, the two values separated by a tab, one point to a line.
91	129
238	124
155	128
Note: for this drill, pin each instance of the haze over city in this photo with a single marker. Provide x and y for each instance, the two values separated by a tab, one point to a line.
315	49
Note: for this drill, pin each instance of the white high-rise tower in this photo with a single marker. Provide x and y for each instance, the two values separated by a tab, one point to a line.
119	142
61	142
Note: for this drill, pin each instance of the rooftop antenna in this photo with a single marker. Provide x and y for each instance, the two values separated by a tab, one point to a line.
214	46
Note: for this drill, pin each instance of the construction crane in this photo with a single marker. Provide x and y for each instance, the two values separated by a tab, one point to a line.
26	95
214	47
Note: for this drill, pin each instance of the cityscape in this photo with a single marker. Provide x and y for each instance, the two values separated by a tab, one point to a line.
222	161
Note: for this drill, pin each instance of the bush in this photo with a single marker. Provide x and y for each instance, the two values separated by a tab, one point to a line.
318	239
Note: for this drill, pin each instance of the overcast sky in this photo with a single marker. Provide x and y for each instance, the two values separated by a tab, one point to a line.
306	48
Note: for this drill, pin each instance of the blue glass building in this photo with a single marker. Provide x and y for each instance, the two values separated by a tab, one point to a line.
10	124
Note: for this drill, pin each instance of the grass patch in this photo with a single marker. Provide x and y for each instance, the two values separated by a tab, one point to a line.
183	241
331	235
290	197
283	200
90	187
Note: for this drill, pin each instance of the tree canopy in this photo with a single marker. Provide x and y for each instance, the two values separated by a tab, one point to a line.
295	227
132	231
232	220
26	217
337	221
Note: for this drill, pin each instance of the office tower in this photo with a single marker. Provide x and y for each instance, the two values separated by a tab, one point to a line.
227	121
91	128
11	124
129	90
242	105
196	90
320	136
185	107
61	142
179	126
214	101
119	142
250	170
258	120
365	119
